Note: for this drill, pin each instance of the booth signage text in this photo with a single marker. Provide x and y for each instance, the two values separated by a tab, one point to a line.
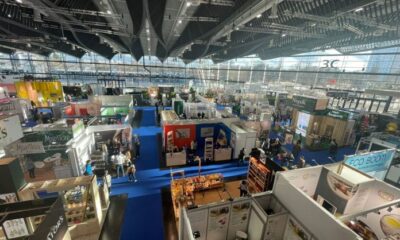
26	148
371	162
10	130
304	103
338	114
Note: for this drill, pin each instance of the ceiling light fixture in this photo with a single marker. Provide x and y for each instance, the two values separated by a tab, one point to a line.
259	15
148	39
284	35
9	15
188	4
359	9
147	30
180	21
109	12
313	24
19	1
28	45
237	28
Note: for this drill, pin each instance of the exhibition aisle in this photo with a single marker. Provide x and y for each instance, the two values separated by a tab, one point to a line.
145	204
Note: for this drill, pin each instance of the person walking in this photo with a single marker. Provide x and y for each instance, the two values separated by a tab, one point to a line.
301	163
243	188
137	147
333	149
88	169
132	173
120	160
241	156
31	168
296	150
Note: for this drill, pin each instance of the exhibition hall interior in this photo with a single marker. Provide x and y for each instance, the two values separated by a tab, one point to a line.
200	119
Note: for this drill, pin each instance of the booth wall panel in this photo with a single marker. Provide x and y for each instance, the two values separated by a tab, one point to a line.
180	142
303	208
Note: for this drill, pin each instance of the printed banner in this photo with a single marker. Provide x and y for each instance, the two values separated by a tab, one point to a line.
372	161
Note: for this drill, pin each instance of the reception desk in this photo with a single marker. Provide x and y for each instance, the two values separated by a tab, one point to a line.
175	158
222	154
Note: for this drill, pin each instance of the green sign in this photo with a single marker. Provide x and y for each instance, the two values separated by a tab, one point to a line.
78	128
338	114
304	104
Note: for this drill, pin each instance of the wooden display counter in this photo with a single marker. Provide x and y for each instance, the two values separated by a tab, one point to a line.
182	190
260	175
222	154
81	199
175	158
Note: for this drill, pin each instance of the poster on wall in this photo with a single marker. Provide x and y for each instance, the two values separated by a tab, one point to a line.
10	130
197	223
333	192
218	222
15	228
302	123
377	226
207	132
294	231
182	133
239	218
8	198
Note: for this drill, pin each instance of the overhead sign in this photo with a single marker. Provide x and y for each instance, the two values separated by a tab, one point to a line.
22	148
338	114
10	130
371	161
337	94
304	103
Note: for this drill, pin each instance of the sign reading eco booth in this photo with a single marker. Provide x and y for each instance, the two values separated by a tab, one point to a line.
371	163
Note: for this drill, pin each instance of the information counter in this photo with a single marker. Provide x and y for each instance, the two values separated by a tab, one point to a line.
176	158
222	154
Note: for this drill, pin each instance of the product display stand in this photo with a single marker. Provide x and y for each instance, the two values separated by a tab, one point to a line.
182	190
81	199
209	149
258	176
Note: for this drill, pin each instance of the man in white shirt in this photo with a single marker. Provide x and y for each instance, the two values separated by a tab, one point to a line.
119	163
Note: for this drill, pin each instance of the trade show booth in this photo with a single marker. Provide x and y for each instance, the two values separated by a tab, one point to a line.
16	106
81	199
211	139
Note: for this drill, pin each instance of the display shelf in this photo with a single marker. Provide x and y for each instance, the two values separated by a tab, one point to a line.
258	176
209	149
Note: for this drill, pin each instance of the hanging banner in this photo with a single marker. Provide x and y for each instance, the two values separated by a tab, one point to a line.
371	161
10	131
304	103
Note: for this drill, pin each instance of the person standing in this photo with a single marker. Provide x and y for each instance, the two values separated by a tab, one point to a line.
132	173
333	149
243	188
107	181
137	147
296	149
301	163
120	159
31	168
88	169
241	156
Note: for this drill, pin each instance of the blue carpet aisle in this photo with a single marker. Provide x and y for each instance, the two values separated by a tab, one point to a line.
144	211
